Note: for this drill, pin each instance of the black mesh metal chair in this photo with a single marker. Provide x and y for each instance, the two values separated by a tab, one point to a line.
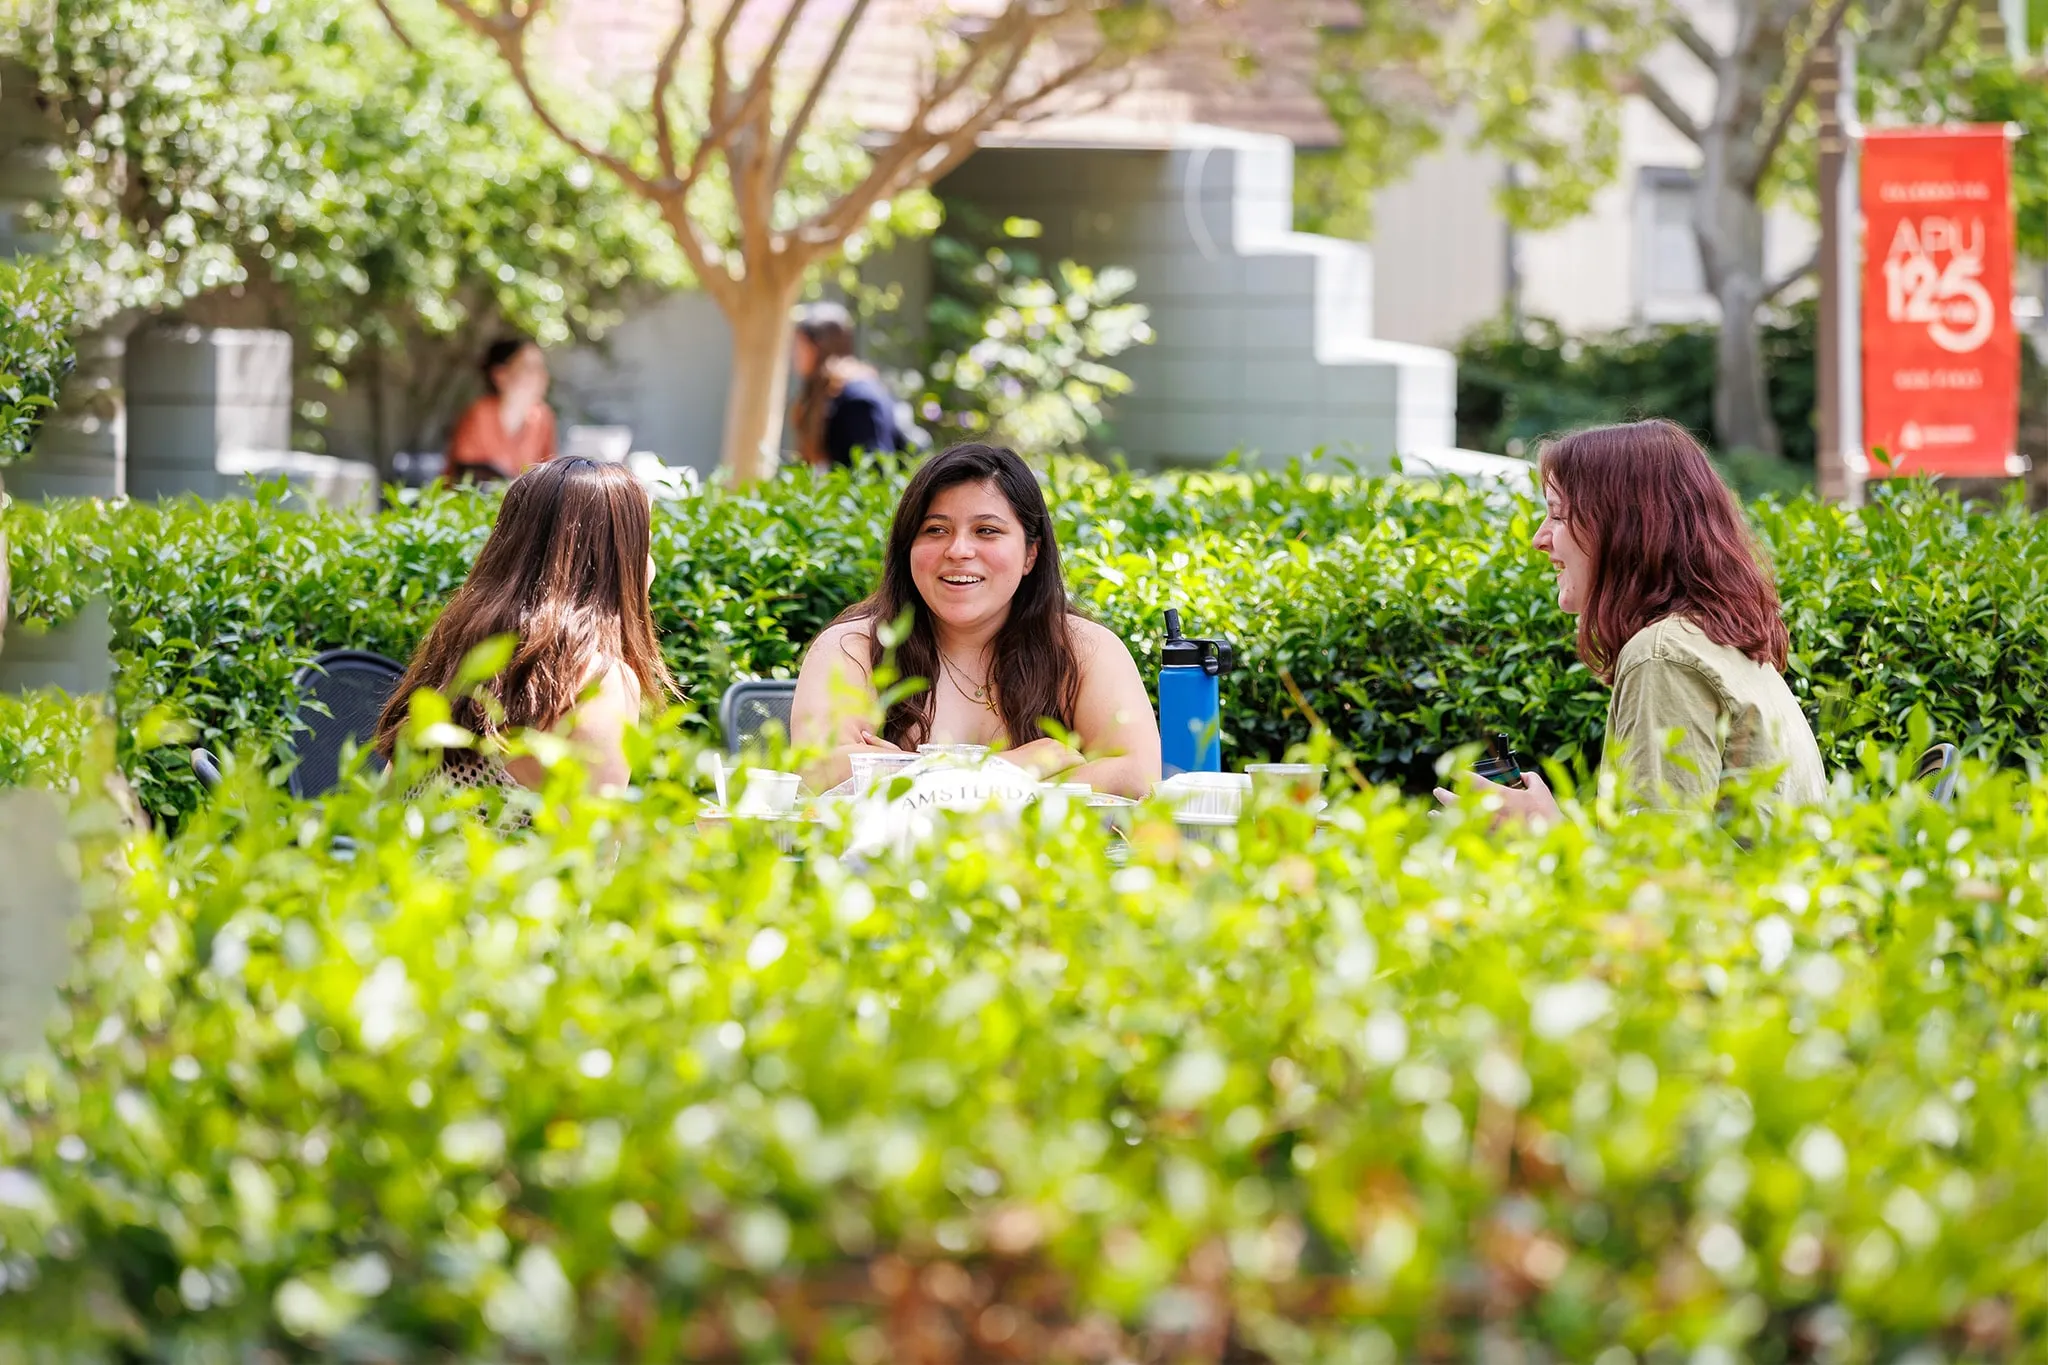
1939	768
341	694
750	706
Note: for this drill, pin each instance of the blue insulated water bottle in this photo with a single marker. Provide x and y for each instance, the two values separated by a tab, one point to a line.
1190	701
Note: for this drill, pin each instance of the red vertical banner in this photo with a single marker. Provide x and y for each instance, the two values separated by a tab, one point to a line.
1941	354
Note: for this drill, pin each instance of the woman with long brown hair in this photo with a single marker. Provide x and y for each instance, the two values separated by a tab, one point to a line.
566	569
1676	613
999	646
841	403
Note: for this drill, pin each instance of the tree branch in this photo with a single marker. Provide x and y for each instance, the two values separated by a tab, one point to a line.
1688	33
507	32
960	145
712	276
1028	107
721	64
1016	25
397	29
1773	288
1926	51
801	121
664	77
1795	93
757	101
917	164
1662	100
724	118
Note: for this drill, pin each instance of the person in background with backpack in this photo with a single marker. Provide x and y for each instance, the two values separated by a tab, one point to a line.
841	403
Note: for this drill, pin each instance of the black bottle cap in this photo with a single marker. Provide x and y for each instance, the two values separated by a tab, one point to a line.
1211	656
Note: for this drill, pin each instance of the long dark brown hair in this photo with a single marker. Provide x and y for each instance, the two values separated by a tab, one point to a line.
1666	539
1034	667
564	569
829	329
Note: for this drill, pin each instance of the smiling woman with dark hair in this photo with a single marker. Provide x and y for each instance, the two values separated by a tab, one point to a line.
1676	613
972	560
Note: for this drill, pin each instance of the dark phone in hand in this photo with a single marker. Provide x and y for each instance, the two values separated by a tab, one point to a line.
1500	764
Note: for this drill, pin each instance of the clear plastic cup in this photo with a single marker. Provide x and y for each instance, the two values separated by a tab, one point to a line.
1299	784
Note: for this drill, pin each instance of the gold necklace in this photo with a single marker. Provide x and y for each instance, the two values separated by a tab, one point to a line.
982	695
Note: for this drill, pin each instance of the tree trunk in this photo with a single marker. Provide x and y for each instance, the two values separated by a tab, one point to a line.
759	393
1728	222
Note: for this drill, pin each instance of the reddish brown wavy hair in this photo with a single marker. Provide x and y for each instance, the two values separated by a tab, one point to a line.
1666	539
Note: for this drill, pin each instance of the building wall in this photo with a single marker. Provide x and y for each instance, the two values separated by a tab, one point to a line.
1265	339
1438	230
663	372
1441	248
1265	334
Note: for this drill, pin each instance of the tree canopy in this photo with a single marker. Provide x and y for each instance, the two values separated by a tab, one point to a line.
384	193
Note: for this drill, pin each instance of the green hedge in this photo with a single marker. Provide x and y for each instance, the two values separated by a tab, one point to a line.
36	351
1519	384
45	735
1413	618
618	1091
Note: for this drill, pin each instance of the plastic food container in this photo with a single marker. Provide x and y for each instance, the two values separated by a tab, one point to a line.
966	753
766	793
1207	796
874	770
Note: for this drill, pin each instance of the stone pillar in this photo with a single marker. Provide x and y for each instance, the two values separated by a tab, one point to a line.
79	452
196	393
77	657
39	897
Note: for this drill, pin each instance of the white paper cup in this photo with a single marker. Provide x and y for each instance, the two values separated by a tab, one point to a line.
767	793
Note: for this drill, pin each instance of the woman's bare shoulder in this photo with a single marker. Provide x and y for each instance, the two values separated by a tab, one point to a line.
846	641
1092	637
607	673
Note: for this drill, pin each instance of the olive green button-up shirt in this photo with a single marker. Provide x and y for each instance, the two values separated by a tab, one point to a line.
1688	712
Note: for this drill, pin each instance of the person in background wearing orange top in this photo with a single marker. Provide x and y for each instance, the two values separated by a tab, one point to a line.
511	428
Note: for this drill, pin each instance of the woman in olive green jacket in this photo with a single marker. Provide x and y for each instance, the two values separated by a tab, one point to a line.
1676	613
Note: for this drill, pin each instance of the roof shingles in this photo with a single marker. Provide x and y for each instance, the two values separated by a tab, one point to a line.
1249	65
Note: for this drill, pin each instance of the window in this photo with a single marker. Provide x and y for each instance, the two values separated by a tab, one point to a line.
1670	285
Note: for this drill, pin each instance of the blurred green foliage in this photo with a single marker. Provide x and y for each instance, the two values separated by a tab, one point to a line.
43	733
1401	1090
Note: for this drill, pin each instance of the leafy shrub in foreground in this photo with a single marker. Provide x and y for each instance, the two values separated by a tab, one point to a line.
1412	617
622	1091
